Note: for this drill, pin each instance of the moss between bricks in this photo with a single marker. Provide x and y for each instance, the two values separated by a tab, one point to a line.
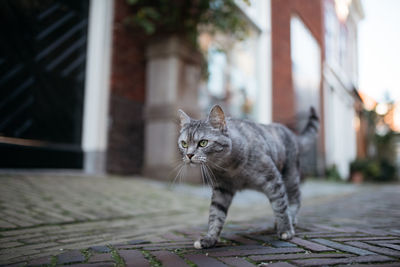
250	260
180	253
153	260
53	261
86	253
119	262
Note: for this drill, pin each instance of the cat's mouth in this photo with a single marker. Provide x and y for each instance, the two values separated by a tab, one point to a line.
193	162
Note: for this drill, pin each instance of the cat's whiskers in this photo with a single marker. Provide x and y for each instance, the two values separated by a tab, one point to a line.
210	175
183	174
203	174
178	175
203	179
177	165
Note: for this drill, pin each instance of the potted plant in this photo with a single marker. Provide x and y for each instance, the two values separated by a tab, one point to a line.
357	169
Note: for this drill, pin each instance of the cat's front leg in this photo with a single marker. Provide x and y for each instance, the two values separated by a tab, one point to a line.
220	202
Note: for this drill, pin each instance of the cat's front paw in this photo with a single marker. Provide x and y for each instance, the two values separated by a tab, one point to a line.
285	231
287	235
205	242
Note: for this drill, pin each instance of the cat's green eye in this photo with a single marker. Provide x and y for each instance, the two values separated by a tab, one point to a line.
203	143
184	144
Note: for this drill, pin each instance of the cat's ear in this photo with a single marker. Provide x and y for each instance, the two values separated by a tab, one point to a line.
217	118
183	117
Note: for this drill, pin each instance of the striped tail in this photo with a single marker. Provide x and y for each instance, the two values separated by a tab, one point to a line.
309	134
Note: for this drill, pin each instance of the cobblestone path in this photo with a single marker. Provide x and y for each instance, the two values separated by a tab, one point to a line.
362	228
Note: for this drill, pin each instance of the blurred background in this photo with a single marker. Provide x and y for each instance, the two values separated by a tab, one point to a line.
94	86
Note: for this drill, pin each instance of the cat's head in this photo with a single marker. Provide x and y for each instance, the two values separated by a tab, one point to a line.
204	141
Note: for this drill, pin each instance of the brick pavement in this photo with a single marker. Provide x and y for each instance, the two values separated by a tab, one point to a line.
362	229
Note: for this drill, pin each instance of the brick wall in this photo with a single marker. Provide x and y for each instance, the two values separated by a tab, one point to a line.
126	129
283	95
310	11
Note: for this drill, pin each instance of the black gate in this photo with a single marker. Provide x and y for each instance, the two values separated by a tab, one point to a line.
42	73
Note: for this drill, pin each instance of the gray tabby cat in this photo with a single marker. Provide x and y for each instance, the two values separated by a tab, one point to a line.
240	154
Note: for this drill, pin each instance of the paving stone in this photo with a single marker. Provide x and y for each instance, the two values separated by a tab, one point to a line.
236	262
369	238
279	264
379	250
174	237
394	241
148	245
155	239
272	241
10	244
24	249
323	235
388	245
137	242
241	239
172	247
122	210
337	229
204	261
40	261
23	258
255	252
374	231
19	264
372	265
310	245
101	249
226	248
4	224
169	259
93	265
70	257
298	256
358	259
133	258
342	247
100	257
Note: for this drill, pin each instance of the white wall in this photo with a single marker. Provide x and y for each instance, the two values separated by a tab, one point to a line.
97	85
264	65
340	133
259	13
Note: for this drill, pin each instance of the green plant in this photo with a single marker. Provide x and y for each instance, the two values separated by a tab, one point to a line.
377	170
332	173
388	171
184	17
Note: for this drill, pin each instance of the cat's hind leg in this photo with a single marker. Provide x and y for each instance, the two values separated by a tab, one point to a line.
275	189
294	202
220	202
291	178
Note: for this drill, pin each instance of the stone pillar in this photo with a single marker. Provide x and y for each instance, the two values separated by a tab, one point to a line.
173	75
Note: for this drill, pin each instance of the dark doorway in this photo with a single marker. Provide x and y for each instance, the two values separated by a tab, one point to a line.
42	73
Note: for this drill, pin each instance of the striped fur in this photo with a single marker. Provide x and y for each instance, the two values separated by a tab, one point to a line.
241	155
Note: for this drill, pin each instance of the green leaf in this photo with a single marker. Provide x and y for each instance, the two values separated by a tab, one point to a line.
132	2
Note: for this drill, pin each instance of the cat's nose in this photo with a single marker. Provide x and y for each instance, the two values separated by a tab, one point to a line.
190	156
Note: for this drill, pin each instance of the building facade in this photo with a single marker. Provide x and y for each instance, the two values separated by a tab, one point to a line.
314	48
299	53
340	79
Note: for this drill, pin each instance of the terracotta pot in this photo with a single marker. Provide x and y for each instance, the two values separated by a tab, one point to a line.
357	177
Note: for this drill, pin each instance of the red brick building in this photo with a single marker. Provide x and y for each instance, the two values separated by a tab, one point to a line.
284	100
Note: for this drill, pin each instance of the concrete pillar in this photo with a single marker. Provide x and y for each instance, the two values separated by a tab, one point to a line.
97	85
173	75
